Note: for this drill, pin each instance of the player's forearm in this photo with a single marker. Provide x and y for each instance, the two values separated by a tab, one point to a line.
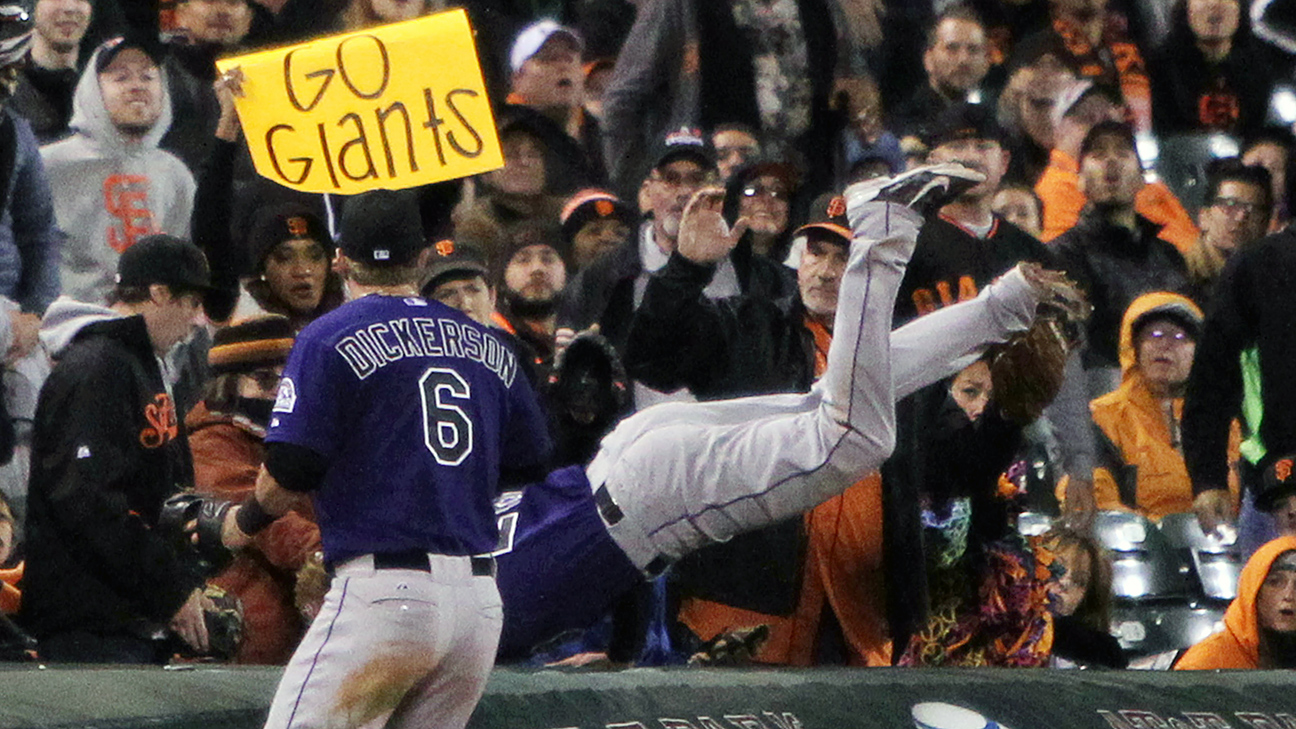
274	499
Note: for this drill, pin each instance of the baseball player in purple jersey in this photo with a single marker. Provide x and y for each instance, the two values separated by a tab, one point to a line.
675	477
395	414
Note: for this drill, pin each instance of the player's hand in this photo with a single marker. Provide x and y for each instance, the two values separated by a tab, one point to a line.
227	87
25	329
1214	509
704	236
231	536
1081	506
189	622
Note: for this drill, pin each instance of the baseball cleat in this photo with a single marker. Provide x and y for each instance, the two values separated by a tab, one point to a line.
924	189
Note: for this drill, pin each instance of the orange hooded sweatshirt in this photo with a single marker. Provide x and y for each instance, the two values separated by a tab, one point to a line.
1134	422
1238	645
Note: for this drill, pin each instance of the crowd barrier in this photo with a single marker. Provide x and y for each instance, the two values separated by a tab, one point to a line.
237	698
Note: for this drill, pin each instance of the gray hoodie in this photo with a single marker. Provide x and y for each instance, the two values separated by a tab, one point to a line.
110	191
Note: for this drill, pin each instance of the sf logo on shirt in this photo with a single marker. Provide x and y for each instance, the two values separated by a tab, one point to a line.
162	425
126	199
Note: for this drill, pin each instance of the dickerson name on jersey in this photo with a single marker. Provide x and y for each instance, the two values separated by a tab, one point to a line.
371	348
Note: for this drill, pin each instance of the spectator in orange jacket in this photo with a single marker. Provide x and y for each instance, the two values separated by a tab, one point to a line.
1260	624
1079	107
1140	464
227	430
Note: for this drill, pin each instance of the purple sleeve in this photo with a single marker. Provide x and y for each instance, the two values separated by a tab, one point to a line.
308	408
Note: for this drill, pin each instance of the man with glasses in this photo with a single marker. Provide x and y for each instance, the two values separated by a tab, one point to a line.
1243	358
103	585
1236	213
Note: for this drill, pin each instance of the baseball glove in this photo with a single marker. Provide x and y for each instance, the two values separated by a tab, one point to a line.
1027	371
311	585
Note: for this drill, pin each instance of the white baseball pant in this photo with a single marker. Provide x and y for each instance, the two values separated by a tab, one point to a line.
687	474
393	648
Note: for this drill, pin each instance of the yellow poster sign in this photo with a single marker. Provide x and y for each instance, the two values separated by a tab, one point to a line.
388	107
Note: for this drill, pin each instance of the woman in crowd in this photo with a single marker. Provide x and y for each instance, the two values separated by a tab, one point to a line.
1080	598
762	193
1260	624
291	253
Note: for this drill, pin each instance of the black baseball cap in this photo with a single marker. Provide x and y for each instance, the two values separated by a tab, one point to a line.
108	50
382	228
828	214
685	143
1109	128
164	259
589	205
277	223
450	262
963	120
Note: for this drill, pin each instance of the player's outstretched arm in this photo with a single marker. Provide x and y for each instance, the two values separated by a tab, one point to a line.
269	502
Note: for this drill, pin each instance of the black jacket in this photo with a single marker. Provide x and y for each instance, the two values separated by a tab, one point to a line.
604	293
750	344
1114	266
107	450
1252	306
44	98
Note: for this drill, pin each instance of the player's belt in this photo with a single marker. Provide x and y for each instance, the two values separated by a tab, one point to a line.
612	515
482	566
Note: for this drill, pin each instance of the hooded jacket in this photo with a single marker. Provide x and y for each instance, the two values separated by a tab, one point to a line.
1238	644
1140	468
107	450
228	451
110	191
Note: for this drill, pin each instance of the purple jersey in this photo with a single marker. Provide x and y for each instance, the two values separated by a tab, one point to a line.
559	569
413	407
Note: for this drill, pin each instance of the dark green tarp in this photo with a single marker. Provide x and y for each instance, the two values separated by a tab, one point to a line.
235	698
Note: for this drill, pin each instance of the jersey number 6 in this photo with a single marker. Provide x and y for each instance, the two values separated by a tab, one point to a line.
447	431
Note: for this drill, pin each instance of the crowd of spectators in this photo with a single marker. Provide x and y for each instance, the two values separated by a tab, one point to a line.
667	225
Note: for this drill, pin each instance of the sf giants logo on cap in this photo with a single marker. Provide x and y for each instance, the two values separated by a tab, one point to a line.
1283	469
837	207
445	247
297	226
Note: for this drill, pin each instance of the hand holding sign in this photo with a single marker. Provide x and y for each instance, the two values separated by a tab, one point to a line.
384	108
